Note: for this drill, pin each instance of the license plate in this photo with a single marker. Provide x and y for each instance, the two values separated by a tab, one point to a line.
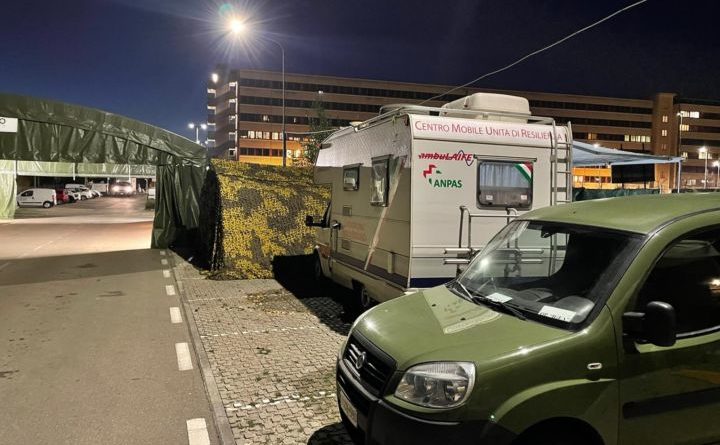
347	408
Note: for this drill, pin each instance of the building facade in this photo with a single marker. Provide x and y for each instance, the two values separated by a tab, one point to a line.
245	119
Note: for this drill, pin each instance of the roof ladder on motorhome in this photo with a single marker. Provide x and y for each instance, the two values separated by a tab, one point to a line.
466	253
561	167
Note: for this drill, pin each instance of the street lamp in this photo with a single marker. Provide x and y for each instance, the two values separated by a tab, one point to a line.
238	27
704	151
197	128
717	164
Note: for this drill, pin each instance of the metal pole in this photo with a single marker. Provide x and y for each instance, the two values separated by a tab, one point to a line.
197	134
284	136
718	175
705	180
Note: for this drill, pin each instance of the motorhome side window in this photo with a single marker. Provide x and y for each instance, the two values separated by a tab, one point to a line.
379	181
505	184
351	177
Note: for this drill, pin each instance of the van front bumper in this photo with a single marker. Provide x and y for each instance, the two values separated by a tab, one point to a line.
379	423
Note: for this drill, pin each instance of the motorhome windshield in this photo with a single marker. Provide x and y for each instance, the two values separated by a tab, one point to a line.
554	273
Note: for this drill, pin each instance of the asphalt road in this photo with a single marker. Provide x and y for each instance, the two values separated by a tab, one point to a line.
88	350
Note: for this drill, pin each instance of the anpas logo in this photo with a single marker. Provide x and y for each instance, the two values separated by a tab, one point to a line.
432	175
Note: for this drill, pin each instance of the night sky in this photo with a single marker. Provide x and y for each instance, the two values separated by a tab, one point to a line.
150	59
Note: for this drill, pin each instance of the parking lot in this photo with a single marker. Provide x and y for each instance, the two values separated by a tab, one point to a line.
272	355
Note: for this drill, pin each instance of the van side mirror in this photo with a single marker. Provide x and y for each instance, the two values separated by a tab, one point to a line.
310	222
657	325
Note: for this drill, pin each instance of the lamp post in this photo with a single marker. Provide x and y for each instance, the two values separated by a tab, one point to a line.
704	151
238	27
717	177
193	125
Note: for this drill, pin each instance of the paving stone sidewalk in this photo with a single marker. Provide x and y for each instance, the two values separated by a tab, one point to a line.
273	357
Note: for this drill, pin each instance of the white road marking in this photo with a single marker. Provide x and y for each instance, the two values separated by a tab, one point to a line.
183	356
162	253
3	266
197	432
163	262
166	273
170	289
175	315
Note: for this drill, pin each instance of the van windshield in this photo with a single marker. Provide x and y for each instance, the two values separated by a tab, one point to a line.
551	272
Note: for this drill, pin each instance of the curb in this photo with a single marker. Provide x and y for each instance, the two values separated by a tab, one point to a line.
224	431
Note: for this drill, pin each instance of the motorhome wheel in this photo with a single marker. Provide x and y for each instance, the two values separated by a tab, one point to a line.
364	299
317	268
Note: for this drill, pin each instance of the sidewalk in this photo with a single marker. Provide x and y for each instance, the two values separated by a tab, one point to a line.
272	357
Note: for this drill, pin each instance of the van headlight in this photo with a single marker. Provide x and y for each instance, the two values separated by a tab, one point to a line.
437	385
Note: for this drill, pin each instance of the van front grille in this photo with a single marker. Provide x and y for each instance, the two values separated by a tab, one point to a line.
368	364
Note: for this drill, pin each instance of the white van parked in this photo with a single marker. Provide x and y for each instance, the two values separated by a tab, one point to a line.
37	197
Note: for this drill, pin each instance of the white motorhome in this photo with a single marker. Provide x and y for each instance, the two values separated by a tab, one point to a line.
418	190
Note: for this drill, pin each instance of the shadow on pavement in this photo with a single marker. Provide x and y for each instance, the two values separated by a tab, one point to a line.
330	435
295	274
83	266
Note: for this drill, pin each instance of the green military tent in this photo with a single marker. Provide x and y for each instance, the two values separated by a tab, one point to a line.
47	138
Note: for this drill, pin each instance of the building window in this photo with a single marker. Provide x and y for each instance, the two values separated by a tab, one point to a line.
684	154
265	118
231	152
275	135
692	114
211	90
665	118
663	132
591	136
637	138
232	136
251	134
685	127
351	177
504	184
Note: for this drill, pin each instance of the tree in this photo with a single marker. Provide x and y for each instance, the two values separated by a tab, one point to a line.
320	129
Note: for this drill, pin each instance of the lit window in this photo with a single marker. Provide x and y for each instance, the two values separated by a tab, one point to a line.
664	118
591	136
275	135
663	132
265	118
211	90
684	154
266	135
251	134
692	114
685	127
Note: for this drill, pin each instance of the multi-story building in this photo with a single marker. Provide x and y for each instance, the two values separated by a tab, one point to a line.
245	118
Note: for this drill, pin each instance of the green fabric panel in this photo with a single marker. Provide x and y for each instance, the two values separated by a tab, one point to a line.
177	210
8	190
41	168
56	131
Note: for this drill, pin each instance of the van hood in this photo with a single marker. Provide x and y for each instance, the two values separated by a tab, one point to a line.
437	324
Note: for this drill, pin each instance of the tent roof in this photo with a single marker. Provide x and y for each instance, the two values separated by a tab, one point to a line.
587	155
56	131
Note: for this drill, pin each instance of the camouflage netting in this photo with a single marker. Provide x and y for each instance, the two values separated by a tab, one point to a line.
260	214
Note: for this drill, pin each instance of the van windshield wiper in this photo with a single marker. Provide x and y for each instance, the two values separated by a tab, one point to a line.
481	299
495	304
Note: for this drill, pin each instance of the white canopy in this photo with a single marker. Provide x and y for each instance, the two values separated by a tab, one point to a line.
587	155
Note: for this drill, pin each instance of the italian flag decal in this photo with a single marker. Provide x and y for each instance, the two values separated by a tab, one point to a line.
526	170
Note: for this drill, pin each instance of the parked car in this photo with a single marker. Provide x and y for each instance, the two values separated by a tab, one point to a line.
37	197
61	196
122	188
596	322
82	194
95	193
73	195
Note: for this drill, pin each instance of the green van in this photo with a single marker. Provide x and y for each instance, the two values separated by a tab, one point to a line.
590	323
